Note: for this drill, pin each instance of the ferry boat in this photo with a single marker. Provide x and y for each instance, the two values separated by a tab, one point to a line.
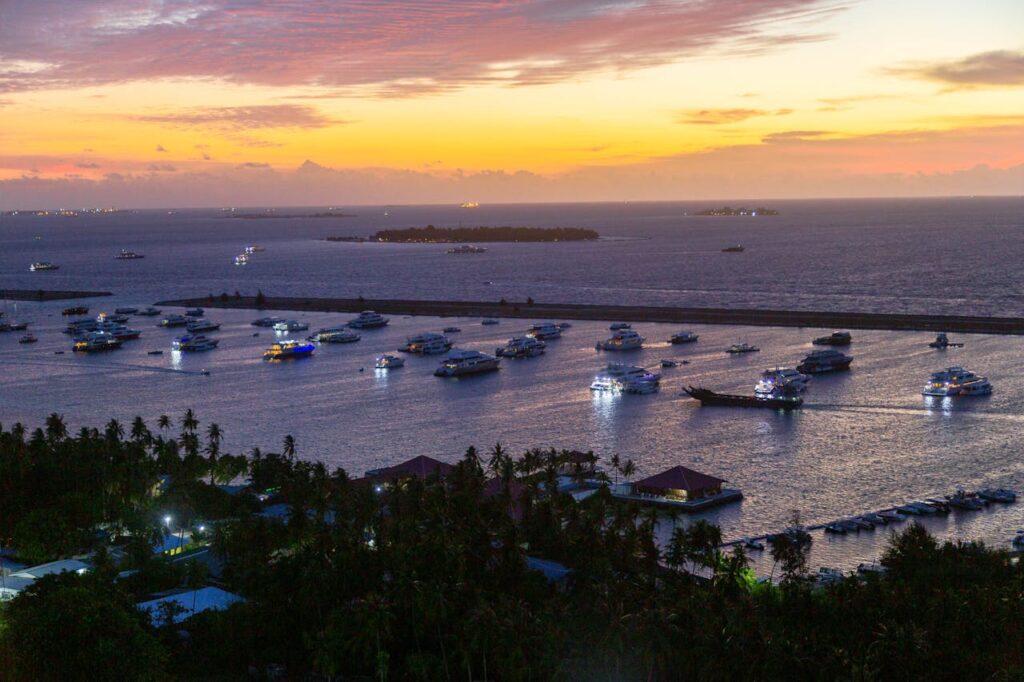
194	312
462	362
742	348
42	266
834	339
194	343
683	337
196	326
521	347
616	326
467	248
96	342
336	336
956	381
125	311
149	312
389	362
620	378
28	338
287	349
267	321
242	259
771	379
173	321
368	319
738	248
291	326
128	255
820	361
76	310
544	331
780	400
428	343
623	340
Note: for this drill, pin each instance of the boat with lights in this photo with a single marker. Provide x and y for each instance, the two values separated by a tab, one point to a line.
194	343
544	331
389	362
956	381
96	342
43	266
368	319
521	347
626	339
621	378
428	343
463	362
785	377
288	349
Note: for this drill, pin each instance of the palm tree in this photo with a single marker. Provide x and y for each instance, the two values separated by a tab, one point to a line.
140	432
114	431
56	430
164	422
289	446
189	423
616	466
628	469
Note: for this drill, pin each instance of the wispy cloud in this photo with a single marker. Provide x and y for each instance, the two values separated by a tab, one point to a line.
789	135
161	168
724	116
997	68
243	118
254	164
87	164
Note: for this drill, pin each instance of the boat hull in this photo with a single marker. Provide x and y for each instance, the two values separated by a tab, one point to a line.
707	397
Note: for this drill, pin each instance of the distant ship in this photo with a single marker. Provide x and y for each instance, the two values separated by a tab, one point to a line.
128	255
733	249
469	204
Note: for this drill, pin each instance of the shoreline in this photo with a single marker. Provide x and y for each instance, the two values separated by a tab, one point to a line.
569	311
48	295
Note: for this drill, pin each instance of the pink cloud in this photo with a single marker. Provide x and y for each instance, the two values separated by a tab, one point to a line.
244	118
399	46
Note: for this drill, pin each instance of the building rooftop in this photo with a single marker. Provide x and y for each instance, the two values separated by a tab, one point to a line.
62	566
191	601
420	466
680	478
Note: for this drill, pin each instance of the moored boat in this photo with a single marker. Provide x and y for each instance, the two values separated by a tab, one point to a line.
196	326
626	339
620	378
463	362
287	349
336	336
738	348
707	397
428	343
173	321
834	339
28	338
194	343
368	319
521	347
291	326
683	337
194	312
75	310
149	312
544	331
43	266
820	361
389	362
956	381
96	342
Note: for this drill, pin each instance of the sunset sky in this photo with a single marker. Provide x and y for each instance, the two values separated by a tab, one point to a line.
255	102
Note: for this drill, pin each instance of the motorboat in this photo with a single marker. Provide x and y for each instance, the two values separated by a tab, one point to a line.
336	336
620	325
683	337
128	255
621	378
242	259
622	340
834	339
255	248
96	342
13	326
428	343
43	266
956	381
81	326
389	362
368	319
174	321
738	248
669	363
75	310
820	361
451	330
149	312
287	349
126	311
998	495
120	332
771	379
564	325
463	362
28	338
197	326
544	331
194	312
738	348
267	321
119	318
488	321
194	343
942	341
467	248
521	347
291	326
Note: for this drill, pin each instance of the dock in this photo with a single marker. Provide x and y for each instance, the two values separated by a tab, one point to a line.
572	311
48	295
688	506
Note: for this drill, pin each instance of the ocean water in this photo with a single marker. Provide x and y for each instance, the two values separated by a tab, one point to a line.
865	439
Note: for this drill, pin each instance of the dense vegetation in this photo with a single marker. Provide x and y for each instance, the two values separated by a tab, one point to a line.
431	234
428	579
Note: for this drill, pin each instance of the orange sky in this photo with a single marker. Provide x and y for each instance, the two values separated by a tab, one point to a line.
205	102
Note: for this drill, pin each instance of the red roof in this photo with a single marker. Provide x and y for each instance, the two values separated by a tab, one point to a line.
680	478
419	467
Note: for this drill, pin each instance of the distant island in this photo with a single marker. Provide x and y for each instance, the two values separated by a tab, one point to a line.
435	235
730	211
264	216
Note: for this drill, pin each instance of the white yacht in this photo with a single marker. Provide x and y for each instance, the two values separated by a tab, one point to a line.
781	377
544	331
194	343
196	326
336	336
620	378
429	343
626	339
956	381
174	321
820	361
96	342
742	348
291	326
368	319
462	362
43	266
683	337
521	347
389	362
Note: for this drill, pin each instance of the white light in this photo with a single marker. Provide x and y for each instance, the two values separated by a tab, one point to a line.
167	520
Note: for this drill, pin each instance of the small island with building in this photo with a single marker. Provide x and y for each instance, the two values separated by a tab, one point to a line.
446	235
742	211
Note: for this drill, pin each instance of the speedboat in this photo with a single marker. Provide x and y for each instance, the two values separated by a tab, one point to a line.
683	337
738	248
368	319
27	338
956	381
467	248
119	318
389	362
742	348
451	330
149	312
521	347
287	349
834	339
622	340
620	378
255	248
780	376
125	311
267	321
291	326
428	343
488	321
128	255
820	361
174	321
544	331
197	326
194	312
242	259
42	266
462	362
336	336
619	325
97	342
194	343
75	310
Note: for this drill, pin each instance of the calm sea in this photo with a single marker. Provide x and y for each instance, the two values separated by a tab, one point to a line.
866	439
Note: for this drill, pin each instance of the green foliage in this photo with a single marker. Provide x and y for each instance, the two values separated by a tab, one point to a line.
45	534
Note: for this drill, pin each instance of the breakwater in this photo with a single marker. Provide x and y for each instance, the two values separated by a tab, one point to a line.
570	311
47	295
